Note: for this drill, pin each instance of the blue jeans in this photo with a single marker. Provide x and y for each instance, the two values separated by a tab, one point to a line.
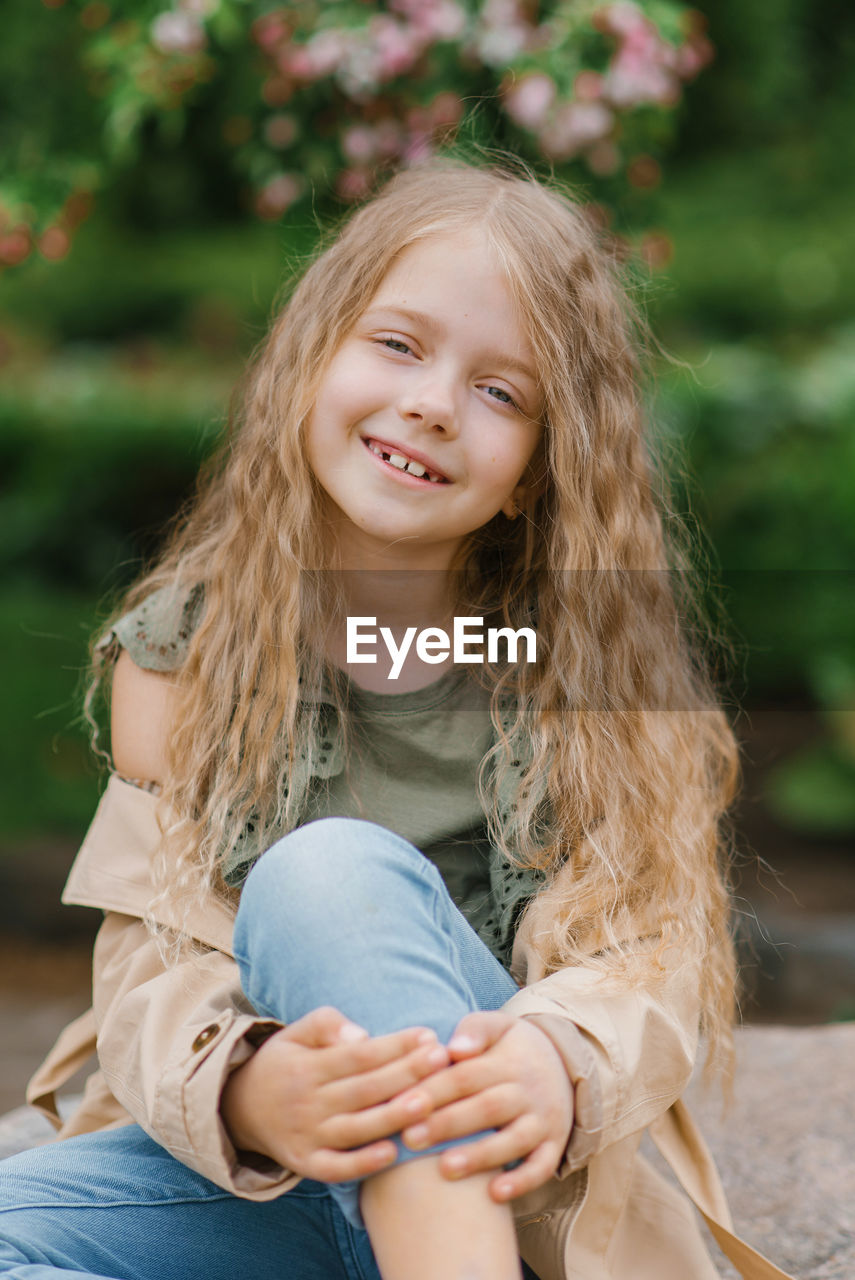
339	912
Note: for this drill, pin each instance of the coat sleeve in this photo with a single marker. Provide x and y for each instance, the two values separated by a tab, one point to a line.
168	1036
168	1039
629	1053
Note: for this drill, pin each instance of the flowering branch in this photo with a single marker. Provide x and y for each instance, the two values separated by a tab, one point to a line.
335	93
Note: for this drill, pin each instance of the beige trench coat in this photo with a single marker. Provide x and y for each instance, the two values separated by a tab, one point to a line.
167	1040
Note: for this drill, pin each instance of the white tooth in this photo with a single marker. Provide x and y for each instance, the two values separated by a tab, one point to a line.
434	477
416	468
375	448
398	460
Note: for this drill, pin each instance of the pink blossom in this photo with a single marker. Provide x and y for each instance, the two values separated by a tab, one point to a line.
54	244
642	69
588	86
692	57
327	50
359	143
419	119
501	13
500	45
173	32
504	32
573	127
631	80
529	99
418	147
279	194
445	109
358	76
645	68
352	184
323	54
396	46
198	8
389	138
15	246
621	19
433	19
444	20
295	60
269	30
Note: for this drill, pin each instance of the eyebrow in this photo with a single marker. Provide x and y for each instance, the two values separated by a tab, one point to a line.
428	322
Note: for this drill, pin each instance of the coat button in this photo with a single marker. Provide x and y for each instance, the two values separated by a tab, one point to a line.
205	1037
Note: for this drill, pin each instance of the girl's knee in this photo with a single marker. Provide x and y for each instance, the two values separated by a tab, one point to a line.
326	860
308	890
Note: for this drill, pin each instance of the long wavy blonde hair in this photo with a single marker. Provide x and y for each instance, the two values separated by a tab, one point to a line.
632	764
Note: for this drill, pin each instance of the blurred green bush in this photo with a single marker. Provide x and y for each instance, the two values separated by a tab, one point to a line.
116	364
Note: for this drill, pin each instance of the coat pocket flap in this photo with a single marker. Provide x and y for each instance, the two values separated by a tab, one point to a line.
74	1047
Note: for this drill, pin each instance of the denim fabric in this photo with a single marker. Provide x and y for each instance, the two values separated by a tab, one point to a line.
117	1205
346	913
339	912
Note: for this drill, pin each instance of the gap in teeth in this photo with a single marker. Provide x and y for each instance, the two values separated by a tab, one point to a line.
402	463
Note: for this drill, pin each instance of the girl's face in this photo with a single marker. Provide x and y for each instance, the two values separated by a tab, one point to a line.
428	413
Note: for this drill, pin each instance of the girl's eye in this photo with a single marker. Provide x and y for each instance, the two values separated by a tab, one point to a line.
502	396
395	344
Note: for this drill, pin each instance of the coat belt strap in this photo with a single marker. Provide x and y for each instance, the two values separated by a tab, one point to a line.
680	1142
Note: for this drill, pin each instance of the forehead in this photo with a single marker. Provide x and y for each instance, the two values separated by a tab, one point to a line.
456	279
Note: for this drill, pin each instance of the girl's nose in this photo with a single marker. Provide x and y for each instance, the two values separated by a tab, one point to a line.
431	403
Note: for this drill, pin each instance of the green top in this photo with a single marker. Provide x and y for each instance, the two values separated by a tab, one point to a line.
413	769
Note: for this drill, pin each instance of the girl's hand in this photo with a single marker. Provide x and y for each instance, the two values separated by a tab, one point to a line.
321	1097
506	1075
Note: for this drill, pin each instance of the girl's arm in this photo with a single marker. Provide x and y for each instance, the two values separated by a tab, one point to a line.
177	1042
628	1055
142	711
172	1043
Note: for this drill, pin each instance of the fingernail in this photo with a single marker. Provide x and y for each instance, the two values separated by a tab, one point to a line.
456	1162
350	1031
426	1037
414	1104
462	1043
503	1188
437	1057
417	1136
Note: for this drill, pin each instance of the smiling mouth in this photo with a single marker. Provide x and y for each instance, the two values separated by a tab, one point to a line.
401	462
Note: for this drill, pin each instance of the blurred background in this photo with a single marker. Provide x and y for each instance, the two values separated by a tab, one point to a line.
163	170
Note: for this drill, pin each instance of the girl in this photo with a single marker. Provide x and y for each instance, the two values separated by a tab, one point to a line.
401	957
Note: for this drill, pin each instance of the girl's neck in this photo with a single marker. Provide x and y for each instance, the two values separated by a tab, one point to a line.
398	599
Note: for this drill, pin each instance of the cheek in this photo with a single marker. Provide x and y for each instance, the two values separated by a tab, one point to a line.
350	379
509	465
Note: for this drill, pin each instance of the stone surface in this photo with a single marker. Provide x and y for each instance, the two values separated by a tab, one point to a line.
23	1128
784	1149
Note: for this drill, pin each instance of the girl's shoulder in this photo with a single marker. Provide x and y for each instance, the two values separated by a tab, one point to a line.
157	632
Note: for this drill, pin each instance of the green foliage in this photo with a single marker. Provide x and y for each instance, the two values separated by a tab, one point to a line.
213	291
50	782
232	104
814	791
98	459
